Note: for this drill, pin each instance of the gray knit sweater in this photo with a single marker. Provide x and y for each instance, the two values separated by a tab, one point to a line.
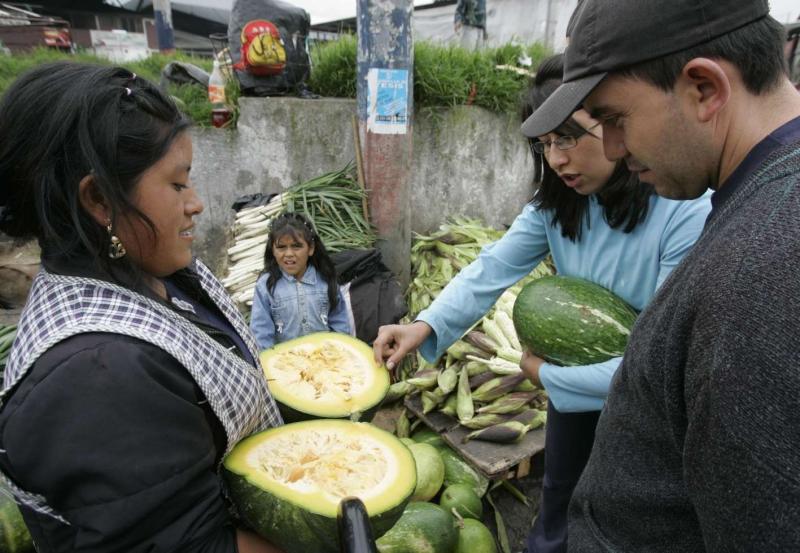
698	447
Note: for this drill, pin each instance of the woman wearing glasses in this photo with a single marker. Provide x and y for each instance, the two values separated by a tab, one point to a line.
600	224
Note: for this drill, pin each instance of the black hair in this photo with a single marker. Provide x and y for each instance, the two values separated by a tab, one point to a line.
61	122
297	226
756	50
624	198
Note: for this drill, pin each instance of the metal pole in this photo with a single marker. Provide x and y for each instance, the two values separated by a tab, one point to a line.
548	26
163	14
385	97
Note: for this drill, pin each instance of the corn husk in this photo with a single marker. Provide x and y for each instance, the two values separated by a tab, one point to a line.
464	407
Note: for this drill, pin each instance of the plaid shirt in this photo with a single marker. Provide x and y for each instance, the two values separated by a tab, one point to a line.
63	306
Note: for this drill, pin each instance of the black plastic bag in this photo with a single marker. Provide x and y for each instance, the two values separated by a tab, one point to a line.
293	24
178	72
251	200
376	298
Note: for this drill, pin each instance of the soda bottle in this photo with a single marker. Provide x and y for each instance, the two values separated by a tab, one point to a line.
220	113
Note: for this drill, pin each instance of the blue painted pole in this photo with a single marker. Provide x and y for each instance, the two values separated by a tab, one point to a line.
385	98
164	33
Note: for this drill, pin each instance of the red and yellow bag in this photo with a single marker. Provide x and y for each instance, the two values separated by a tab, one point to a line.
263	51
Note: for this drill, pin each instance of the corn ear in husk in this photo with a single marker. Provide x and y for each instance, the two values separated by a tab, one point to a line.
449	407
447	380
512	430
432	399
483	421
464	406
513	402
497	387
424	379
398	390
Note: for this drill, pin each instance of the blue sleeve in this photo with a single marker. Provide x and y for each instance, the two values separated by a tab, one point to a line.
578	389
338	318
475	289
681	232
261	322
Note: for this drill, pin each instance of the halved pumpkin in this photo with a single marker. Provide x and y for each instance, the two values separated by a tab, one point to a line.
325	375
287	482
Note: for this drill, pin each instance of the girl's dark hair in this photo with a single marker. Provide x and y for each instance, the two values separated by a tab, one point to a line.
624	198
61	122
297	226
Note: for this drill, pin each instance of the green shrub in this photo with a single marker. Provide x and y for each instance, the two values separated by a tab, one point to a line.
333	68
443	75
192	99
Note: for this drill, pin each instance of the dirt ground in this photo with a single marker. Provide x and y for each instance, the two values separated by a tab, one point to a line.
517	517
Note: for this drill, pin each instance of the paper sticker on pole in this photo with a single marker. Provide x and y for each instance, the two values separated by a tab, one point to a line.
387	96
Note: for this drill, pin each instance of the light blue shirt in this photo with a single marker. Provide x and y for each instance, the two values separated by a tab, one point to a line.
295	308
631	265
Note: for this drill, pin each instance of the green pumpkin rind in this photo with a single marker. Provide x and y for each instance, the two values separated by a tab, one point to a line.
14	535
570	321
423	528
288	519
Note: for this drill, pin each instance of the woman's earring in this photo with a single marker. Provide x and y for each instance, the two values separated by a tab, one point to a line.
115	249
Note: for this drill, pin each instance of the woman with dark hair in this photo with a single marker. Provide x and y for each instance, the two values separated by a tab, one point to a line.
132	373
600	224
297	294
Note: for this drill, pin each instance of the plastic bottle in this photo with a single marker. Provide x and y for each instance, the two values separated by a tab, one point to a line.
220	113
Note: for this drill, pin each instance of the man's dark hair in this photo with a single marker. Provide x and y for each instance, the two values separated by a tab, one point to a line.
756	50
624	198
297	226
61	122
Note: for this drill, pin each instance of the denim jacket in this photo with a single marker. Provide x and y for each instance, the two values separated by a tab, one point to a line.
296	308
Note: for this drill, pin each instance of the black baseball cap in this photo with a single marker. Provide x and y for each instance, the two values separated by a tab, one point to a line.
612	34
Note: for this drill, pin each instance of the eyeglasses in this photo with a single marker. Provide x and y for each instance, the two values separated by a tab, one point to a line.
565	142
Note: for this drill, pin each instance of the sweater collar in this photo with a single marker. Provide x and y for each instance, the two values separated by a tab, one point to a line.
784	135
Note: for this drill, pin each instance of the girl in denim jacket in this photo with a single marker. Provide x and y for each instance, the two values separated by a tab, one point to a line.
297	294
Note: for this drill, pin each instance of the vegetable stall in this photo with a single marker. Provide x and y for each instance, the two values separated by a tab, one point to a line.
472	421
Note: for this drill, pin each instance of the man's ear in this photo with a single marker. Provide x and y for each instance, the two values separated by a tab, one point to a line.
707	87
93	201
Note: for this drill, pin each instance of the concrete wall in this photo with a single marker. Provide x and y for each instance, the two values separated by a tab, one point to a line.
467	161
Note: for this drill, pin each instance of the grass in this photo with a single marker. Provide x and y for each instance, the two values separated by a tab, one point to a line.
444	76
333	68
192	99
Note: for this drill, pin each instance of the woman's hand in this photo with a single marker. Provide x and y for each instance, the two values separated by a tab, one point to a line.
530	365
394	341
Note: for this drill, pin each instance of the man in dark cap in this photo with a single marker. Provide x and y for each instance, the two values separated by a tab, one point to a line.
697	446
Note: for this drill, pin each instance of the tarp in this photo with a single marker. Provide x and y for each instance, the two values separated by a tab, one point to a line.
213	10
522	21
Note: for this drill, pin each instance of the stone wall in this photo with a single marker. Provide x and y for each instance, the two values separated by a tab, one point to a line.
467	161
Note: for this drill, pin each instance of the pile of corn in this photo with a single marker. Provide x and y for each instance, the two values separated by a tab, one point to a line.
478	381
333	202
437	258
